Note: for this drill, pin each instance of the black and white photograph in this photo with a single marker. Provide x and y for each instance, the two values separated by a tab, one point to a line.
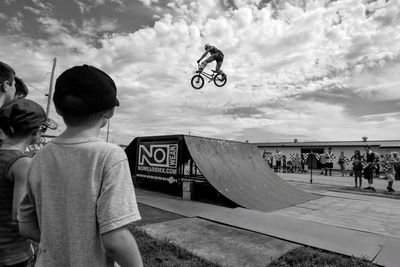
199	133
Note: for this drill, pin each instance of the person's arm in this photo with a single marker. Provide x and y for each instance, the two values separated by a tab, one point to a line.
27	219
122	247
30	230
19	173
117	208
204	54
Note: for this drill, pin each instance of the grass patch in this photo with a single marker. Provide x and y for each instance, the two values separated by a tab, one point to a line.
162	253
309	257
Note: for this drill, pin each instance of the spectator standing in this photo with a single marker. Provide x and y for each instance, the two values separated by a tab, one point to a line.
297	163
357	160
322	160
397	165
377	168
341	162
265	155
268	158
284	168
80	193
370	160
388	166
278	161
302	163
329	161
22	122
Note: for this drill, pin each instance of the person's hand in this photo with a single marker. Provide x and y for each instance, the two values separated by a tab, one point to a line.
198	61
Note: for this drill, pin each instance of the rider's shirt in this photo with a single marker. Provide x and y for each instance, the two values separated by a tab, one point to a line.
213	50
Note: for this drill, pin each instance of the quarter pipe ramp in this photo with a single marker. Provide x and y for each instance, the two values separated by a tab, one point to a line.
237	170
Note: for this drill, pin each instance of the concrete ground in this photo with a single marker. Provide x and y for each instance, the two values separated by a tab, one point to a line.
356	223
221	244
337	180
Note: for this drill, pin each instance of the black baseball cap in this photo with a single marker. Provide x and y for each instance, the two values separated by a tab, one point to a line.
24	114
21	90
83	90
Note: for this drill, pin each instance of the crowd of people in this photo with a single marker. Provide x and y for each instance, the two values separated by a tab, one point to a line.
367	165
71	203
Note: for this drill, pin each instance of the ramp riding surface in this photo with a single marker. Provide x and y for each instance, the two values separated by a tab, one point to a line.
238	172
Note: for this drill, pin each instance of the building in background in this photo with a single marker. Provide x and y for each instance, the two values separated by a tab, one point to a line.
292	148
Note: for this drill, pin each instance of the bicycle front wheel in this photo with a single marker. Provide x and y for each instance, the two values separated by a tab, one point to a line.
197	82
219	80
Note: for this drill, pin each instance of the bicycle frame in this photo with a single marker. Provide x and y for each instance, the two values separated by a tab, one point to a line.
207	75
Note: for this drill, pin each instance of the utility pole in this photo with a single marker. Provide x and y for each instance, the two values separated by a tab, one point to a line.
51	87
108	129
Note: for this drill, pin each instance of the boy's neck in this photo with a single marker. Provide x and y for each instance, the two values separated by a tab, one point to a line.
81	132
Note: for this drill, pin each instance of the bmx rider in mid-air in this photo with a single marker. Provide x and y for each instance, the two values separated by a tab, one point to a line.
216	55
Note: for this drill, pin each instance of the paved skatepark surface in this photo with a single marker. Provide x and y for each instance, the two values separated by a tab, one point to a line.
336	228
327	237
337	180
238	172
364	213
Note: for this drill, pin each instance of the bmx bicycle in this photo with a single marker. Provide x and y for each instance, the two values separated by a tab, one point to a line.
198	81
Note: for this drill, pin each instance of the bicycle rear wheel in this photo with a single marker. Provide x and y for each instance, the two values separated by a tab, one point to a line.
197	82
219	81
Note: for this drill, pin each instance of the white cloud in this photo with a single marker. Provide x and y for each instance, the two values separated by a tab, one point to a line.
86	7
91	27
32	10
46	8
15	24
148	2
83	8
3	16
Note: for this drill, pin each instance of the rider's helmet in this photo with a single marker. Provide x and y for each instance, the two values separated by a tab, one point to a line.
206	46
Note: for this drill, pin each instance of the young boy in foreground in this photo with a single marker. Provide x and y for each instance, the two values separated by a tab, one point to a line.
80	193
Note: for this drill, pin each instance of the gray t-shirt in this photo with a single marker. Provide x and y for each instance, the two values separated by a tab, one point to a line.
80	188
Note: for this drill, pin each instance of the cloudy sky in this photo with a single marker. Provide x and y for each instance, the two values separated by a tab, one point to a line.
311	70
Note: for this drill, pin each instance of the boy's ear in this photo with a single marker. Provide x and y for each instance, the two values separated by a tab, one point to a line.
109	113
35	135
